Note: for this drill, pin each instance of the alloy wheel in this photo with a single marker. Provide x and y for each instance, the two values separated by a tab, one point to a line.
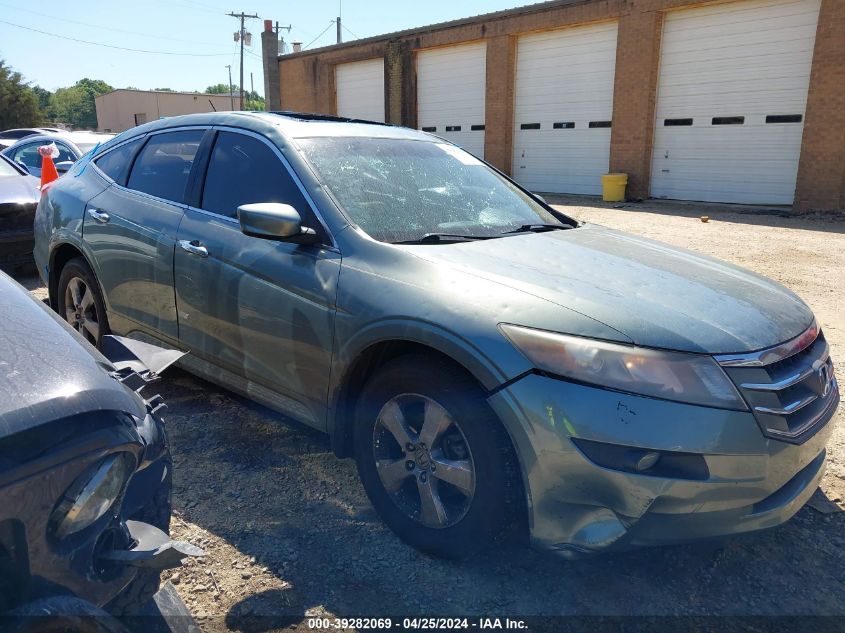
423	460
81	310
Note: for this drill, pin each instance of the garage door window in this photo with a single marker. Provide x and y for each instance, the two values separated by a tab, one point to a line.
163	167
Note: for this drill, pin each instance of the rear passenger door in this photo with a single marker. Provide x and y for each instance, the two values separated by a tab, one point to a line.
131	229
260	313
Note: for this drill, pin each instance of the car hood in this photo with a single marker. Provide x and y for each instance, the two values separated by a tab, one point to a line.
18	189
47	371
653	294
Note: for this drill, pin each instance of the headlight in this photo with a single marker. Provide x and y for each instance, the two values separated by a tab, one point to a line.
92	494
691	378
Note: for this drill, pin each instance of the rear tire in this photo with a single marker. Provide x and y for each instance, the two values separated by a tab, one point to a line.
453	488
80	302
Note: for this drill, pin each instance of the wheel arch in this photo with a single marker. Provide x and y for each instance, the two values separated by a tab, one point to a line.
372	347
60	255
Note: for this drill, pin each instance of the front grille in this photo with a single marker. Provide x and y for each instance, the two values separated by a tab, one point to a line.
791	389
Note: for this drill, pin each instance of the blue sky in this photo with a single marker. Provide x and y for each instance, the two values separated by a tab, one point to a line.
188	26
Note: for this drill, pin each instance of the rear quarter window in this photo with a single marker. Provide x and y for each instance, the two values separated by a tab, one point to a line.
164	164
115	164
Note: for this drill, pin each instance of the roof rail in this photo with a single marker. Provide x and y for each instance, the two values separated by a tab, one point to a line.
313	116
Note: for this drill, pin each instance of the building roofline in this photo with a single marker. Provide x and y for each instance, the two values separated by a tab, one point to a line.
538	7
166	92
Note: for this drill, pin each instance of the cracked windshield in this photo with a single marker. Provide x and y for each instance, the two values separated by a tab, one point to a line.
400	190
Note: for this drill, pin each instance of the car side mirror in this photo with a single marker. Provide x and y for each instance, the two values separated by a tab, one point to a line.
274	221
540	198
64	166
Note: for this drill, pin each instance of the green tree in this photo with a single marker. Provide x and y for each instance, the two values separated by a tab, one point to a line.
164	89
43	100
75	105
18	102
220	89
253	101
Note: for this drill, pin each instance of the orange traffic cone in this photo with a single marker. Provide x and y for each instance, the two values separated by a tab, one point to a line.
48	168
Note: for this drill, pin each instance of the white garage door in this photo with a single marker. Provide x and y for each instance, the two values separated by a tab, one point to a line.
360	89
451	85
731	99
563	108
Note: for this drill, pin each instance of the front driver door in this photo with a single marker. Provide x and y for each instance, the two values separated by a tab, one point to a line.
259	314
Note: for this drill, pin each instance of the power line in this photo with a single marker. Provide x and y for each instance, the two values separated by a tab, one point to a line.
331	24
100	26
171	3
120	48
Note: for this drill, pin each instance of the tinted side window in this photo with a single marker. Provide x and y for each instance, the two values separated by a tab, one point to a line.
163	166
115	164
243	170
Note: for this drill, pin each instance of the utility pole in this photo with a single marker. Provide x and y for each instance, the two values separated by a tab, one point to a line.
339	13
241	35
278	29
231	92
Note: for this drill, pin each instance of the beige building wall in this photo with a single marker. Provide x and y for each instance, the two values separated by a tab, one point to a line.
122	109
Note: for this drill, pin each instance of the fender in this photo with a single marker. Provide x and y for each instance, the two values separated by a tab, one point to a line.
489	373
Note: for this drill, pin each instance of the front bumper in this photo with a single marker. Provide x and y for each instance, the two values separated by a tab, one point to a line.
578	507
16	246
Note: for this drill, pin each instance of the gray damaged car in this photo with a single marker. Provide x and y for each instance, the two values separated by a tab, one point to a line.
492	364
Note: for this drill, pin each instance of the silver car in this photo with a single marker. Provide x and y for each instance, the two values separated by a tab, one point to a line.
71	145
494	366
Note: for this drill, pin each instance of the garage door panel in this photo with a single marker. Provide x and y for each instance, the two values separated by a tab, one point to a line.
360	89
750	59
451	91
730	13
564	76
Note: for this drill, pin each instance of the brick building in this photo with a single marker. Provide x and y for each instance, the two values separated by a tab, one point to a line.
733	101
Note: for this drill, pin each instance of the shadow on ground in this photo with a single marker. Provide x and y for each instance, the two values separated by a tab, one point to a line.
829	221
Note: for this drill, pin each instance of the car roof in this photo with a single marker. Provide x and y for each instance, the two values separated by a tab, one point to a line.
291	124
42	138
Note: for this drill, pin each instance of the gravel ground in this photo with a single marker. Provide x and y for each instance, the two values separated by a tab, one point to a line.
290	534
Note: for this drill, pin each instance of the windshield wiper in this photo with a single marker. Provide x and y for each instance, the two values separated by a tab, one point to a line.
538	228
442	238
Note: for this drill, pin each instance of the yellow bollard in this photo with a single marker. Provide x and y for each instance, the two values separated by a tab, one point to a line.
613	187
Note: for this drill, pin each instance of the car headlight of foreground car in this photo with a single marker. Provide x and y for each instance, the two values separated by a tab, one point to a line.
690	378
92	494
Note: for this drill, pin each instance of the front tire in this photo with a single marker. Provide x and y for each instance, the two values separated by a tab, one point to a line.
434	459
80	302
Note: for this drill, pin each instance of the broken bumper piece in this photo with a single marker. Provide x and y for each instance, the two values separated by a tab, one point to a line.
152	548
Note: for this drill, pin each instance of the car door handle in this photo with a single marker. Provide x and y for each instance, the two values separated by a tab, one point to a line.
193	247
100	216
